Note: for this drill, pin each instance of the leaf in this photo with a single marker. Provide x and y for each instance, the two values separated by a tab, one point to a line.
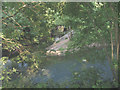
14	70
2	78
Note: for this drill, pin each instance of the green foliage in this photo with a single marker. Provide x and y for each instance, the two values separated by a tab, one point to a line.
92	22
61	49
57	41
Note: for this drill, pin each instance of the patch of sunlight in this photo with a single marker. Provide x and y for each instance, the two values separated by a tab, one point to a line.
84	60
76	73
45	72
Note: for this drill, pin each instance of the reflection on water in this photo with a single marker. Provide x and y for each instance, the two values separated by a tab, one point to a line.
11	64
66	68
60	70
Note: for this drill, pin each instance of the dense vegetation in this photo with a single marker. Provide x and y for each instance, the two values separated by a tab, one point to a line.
30	27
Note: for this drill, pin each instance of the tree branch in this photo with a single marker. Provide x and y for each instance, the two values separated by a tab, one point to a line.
15	13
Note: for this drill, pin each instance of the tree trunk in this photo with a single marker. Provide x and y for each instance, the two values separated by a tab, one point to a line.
117	40
111	45
118	44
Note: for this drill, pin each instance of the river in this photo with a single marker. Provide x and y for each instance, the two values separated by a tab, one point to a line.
61	69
